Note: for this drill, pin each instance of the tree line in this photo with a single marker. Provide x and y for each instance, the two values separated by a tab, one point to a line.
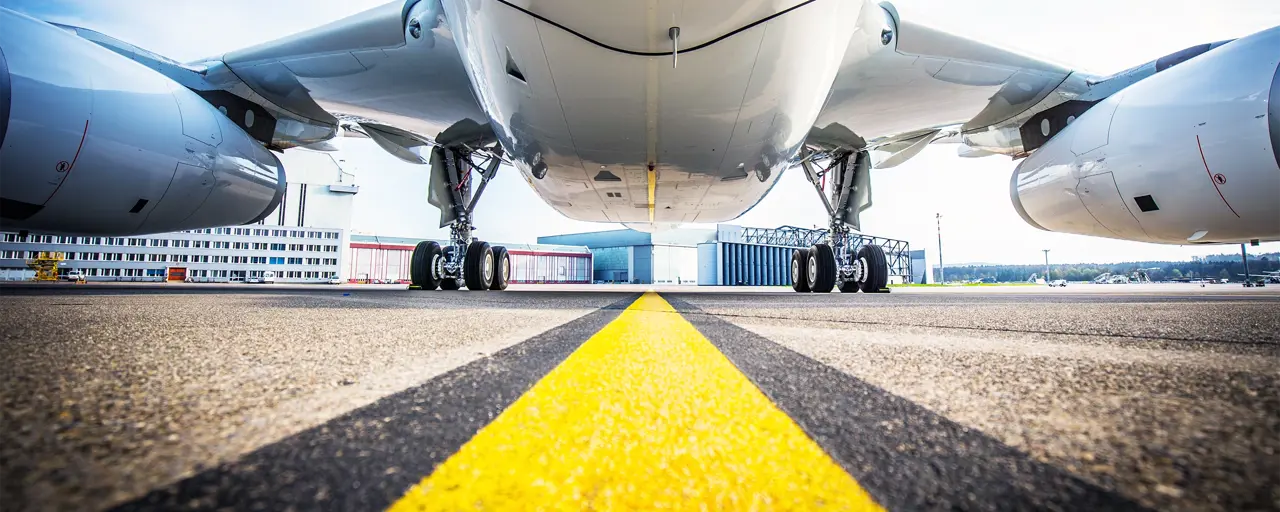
1212	267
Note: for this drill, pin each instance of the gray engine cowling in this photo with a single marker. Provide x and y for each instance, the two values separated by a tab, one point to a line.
95	143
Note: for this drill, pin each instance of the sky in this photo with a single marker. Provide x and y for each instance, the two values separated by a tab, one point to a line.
978	222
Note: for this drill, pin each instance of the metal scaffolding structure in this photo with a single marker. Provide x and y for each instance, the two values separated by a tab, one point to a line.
897	252
788	236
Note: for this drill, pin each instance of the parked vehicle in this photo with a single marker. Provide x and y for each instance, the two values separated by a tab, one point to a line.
1062	283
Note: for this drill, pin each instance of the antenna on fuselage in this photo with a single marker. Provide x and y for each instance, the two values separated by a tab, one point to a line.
674	34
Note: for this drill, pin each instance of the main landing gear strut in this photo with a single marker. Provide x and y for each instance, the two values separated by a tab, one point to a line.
465	260
835	263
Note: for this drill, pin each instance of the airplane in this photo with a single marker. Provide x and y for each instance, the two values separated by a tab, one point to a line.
648	114
1262	279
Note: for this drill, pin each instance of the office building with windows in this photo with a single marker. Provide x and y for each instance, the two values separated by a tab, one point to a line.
208	255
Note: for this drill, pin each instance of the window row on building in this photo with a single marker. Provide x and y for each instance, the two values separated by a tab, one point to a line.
175	258
202	273
279	233
178	244
175	242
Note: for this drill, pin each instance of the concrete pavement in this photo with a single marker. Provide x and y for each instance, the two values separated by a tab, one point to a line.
161	396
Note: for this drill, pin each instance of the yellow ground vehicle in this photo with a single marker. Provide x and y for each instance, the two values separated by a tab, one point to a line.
46	265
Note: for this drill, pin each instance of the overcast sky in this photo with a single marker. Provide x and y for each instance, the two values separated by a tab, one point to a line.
979	225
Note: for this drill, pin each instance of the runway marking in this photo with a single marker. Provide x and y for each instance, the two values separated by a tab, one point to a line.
906	456
646	414
367	458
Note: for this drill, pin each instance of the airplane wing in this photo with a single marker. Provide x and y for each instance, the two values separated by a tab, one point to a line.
392	72
905	85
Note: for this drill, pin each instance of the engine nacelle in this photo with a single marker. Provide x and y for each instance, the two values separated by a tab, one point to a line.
95	143
1188	155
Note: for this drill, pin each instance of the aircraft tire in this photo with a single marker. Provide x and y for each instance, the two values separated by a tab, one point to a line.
422	266
877	269
477	267
821	269
501	268
799	262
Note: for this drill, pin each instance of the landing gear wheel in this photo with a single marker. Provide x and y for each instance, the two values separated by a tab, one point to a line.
424	266
875	269
449	283
799	262
477	267
501	268
821	269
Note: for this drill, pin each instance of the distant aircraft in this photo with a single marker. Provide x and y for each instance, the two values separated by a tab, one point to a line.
1265	277
612	116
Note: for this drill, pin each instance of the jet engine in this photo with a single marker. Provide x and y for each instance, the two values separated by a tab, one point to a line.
92	142
1188	155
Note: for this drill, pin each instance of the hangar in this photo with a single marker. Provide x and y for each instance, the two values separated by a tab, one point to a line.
726	255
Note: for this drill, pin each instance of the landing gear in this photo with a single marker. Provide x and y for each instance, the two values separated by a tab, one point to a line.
835	263
464	260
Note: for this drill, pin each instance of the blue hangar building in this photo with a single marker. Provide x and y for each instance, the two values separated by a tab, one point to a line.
726	255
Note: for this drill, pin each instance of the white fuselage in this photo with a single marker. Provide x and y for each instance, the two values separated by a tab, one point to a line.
698	137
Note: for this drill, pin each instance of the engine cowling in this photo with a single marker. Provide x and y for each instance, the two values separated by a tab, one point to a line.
95	143
1188	155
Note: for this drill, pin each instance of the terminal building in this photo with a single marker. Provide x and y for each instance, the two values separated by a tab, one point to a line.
726	255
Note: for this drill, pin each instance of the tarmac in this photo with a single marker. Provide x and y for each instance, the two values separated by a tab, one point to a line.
201	397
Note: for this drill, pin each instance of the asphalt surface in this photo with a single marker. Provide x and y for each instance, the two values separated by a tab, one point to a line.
275	397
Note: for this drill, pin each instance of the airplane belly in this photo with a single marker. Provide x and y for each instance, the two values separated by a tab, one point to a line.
603	134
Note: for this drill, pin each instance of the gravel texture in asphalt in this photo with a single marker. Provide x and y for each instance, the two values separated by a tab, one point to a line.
149	397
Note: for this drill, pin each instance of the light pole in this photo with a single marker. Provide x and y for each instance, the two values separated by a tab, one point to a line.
1046	266
1244	258
942	269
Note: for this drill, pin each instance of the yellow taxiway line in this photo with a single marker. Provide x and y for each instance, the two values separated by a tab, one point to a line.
653	188
646	414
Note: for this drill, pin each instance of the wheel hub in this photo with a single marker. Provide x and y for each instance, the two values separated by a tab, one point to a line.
488	267
795	270
437	267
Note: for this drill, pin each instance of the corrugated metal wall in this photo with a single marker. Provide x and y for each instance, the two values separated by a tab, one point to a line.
754	265
390	264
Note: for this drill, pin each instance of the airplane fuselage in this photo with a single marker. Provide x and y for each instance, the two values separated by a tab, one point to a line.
629	128
674	136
